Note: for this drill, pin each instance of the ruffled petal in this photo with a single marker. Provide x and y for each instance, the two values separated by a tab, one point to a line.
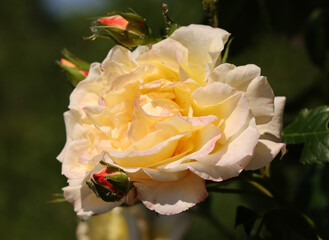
85	201
261	98
204	43
274	127
265	152
237	77
173	197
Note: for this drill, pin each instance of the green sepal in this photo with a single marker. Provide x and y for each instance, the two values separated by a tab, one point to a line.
120	181
112	168
73	75
81	64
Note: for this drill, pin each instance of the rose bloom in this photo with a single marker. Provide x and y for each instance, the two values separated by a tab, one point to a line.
171	115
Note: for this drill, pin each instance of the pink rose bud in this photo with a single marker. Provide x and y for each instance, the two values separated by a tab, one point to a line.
128	29
111	184
69	64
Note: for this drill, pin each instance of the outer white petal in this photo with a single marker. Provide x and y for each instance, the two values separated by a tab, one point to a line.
86	93
85	201
122	57
169	198
237	77
204	43
168	53
265	152
261	98
274	127
227	160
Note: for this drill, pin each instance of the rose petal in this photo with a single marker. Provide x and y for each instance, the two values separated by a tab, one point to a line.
173	197
85	201
86	92
265	152
261	98
204	43
237	77
274	127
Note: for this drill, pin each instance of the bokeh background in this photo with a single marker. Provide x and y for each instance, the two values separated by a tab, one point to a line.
288	39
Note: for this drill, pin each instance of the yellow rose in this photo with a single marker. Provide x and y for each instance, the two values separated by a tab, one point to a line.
171	116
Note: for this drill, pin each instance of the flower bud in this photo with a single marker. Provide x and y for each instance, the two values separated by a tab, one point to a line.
111	184
74	68
128	29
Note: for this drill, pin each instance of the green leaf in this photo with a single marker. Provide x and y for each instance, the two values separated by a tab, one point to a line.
311	128
246	217
81	64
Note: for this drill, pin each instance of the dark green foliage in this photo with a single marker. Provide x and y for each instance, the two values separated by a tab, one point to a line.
286	224
310	128
246	217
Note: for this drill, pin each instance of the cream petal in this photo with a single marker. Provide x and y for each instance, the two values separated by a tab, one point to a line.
239	147
204	143
213	93
261	98
122	57
265	152
173	197
204	43
140	50
216	173
143	158
274	127
199	121
137	174
168	52
86	93
71	167
237	77
231	106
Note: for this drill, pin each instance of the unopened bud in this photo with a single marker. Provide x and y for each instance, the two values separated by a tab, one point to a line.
111	184
74	68
128	29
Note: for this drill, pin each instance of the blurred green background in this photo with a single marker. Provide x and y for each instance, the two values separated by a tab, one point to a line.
288	39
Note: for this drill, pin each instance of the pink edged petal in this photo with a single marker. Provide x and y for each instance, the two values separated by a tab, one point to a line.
274	127
216	173
265	152
199	121
239	147
229	104
237	77
85	201
204	43
261	98
169	198
204	142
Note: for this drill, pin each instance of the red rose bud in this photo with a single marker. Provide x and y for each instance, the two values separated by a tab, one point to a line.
111	184
74	68
128	29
